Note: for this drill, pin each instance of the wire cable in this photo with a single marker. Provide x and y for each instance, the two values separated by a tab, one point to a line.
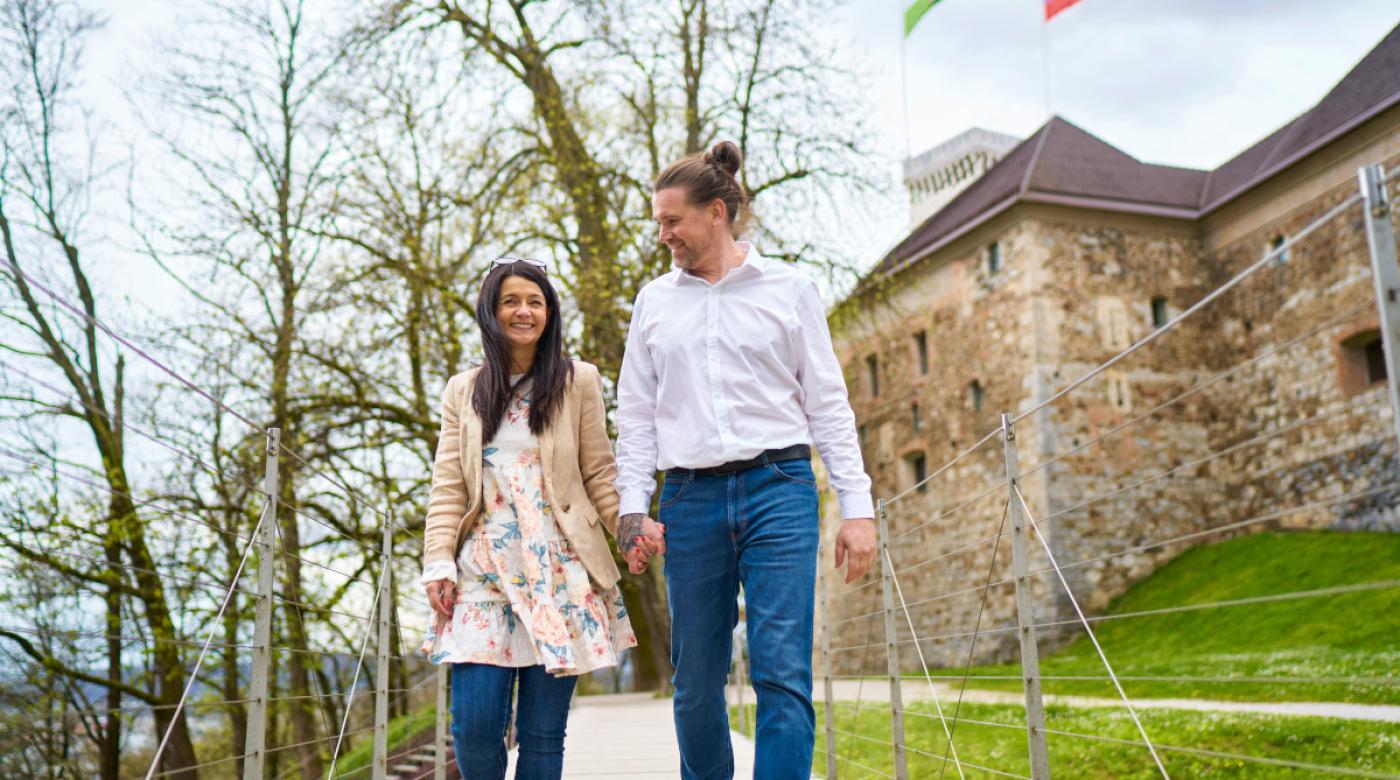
194	674
1197	388
28	280
1030	518
1269	257
899	591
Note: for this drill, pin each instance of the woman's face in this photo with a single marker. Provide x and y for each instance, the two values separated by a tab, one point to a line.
521	311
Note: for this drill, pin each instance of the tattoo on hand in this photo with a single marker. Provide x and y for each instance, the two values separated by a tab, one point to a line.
629	527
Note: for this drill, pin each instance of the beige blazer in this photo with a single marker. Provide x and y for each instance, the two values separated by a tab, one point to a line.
577	462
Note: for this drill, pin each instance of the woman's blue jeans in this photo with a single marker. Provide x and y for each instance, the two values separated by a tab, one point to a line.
481	697
756	528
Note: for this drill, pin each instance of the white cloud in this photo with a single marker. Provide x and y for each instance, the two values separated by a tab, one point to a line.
1187	82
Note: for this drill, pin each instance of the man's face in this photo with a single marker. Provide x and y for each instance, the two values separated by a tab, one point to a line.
686	229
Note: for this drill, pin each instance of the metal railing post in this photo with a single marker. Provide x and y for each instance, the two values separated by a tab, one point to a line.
1025	610
255	740
1380	235
828	699
440	737
380	768
901	767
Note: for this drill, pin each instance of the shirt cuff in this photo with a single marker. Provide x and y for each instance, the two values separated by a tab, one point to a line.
857	506
634	502
438	570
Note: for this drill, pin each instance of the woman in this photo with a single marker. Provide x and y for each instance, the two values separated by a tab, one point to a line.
515	564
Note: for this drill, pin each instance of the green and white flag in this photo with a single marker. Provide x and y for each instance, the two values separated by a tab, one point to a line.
915	12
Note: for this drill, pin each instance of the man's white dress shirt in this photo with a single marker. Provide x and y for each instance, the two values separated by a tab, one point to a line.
720	372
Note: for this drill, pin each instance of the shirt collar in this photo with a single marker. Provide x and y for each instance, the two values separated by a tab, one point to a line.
754	264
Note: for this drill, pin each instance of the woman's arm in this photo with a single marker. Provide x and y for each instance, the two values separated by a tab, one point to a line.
447	501
595	454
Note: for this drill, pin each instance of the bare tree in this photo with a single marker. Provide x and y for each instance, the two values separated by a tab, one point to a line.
261	158
43	200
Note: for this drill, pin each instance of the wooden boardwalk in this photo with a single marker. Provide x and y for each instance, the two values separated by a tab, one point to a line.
630	737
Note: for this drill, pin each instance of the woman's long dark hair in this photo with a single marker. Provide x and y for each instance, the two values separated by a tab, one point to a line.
551	371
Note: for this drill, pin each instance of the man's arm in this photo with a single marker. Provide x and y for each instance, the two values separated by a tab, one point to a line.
636	423
833	427
829	415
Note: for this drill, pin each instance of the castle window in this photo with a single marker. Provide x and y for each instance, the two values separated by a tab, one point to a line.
978	395
1375	362
1112	320
914	412
993	257
872	371
1362	358
1279	244
1119	391
1159	312
921	351
916	470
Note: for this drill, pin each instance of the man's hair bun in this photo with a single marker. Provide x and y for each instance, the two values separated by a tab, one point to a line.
708	177
726	156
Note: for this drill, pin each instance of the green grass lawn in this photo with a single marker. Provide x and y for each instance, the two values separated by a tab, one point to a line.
1351	635
1355	745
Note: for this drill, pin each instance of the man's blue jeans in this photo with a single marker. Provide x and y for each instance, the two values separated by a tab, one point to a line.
757	528
481	710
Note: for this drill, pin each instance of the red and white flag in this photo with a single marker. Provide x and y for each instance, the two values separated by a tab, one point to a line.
1053	7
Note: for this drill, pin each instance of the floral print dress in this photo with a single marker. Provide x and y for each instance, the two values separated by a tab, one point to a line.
523	596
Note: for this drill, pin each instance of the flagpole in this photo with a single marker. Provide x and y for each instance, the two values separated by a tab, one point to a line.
904	91
1045	63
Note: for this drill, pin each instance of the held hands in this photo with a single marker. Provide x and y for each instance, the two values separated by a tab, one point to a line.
856	541
639	538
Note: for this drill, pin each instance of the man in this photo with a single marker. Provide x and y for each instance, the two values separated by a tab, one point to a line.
728	378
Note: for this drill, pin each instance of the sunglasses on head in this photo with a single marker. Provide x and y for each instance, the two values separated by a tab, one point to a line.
540	264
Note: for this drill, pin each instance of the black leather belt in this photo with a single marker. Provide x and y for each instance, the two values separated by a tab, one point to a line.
762	459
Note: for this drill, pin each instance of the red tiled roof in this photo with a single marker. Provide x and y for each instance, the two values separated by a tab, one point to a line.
1062	163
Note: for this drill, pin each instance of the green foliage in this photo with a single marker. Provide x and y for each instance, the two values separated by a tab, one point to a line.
401	729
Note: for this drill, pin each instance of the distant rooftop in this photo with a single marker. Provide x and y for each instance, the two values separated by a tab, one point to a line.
1063	164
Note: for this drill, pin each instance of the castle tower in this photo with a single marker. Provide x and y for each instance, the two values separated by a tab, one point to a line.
936	176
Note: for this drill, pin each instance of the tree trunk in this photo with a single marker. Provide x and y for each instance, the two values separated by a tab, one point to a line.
110	761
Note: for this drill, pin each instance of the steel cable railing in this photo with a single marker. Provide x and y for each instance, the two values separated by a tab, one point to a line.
1269	258
956	536
19	275
203	651
1242	757
923	663
221	594
1089	631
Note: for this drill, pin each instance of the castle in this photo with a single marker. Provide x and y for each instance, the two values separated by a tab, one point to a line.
1266	408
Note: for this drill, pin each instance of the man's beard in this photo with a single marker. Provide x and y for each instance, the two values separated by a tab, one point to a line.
687	258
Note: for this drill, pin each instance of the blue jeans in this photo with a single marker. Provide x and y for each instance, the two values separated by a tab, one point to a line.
757	528
481	697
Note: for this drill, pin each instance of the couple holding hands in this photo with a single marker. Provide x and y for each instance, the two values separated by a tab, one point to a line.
727	381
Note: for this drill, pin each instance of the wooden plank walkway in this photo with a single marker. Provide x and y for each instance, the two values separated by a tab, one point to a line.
631	737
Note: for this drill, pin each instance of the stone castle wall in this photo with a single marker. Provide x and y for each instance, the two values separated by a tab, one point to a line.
1275	426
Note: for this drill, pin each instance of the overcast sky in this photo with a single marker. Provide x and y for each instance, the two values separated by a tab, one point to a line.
1183	82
